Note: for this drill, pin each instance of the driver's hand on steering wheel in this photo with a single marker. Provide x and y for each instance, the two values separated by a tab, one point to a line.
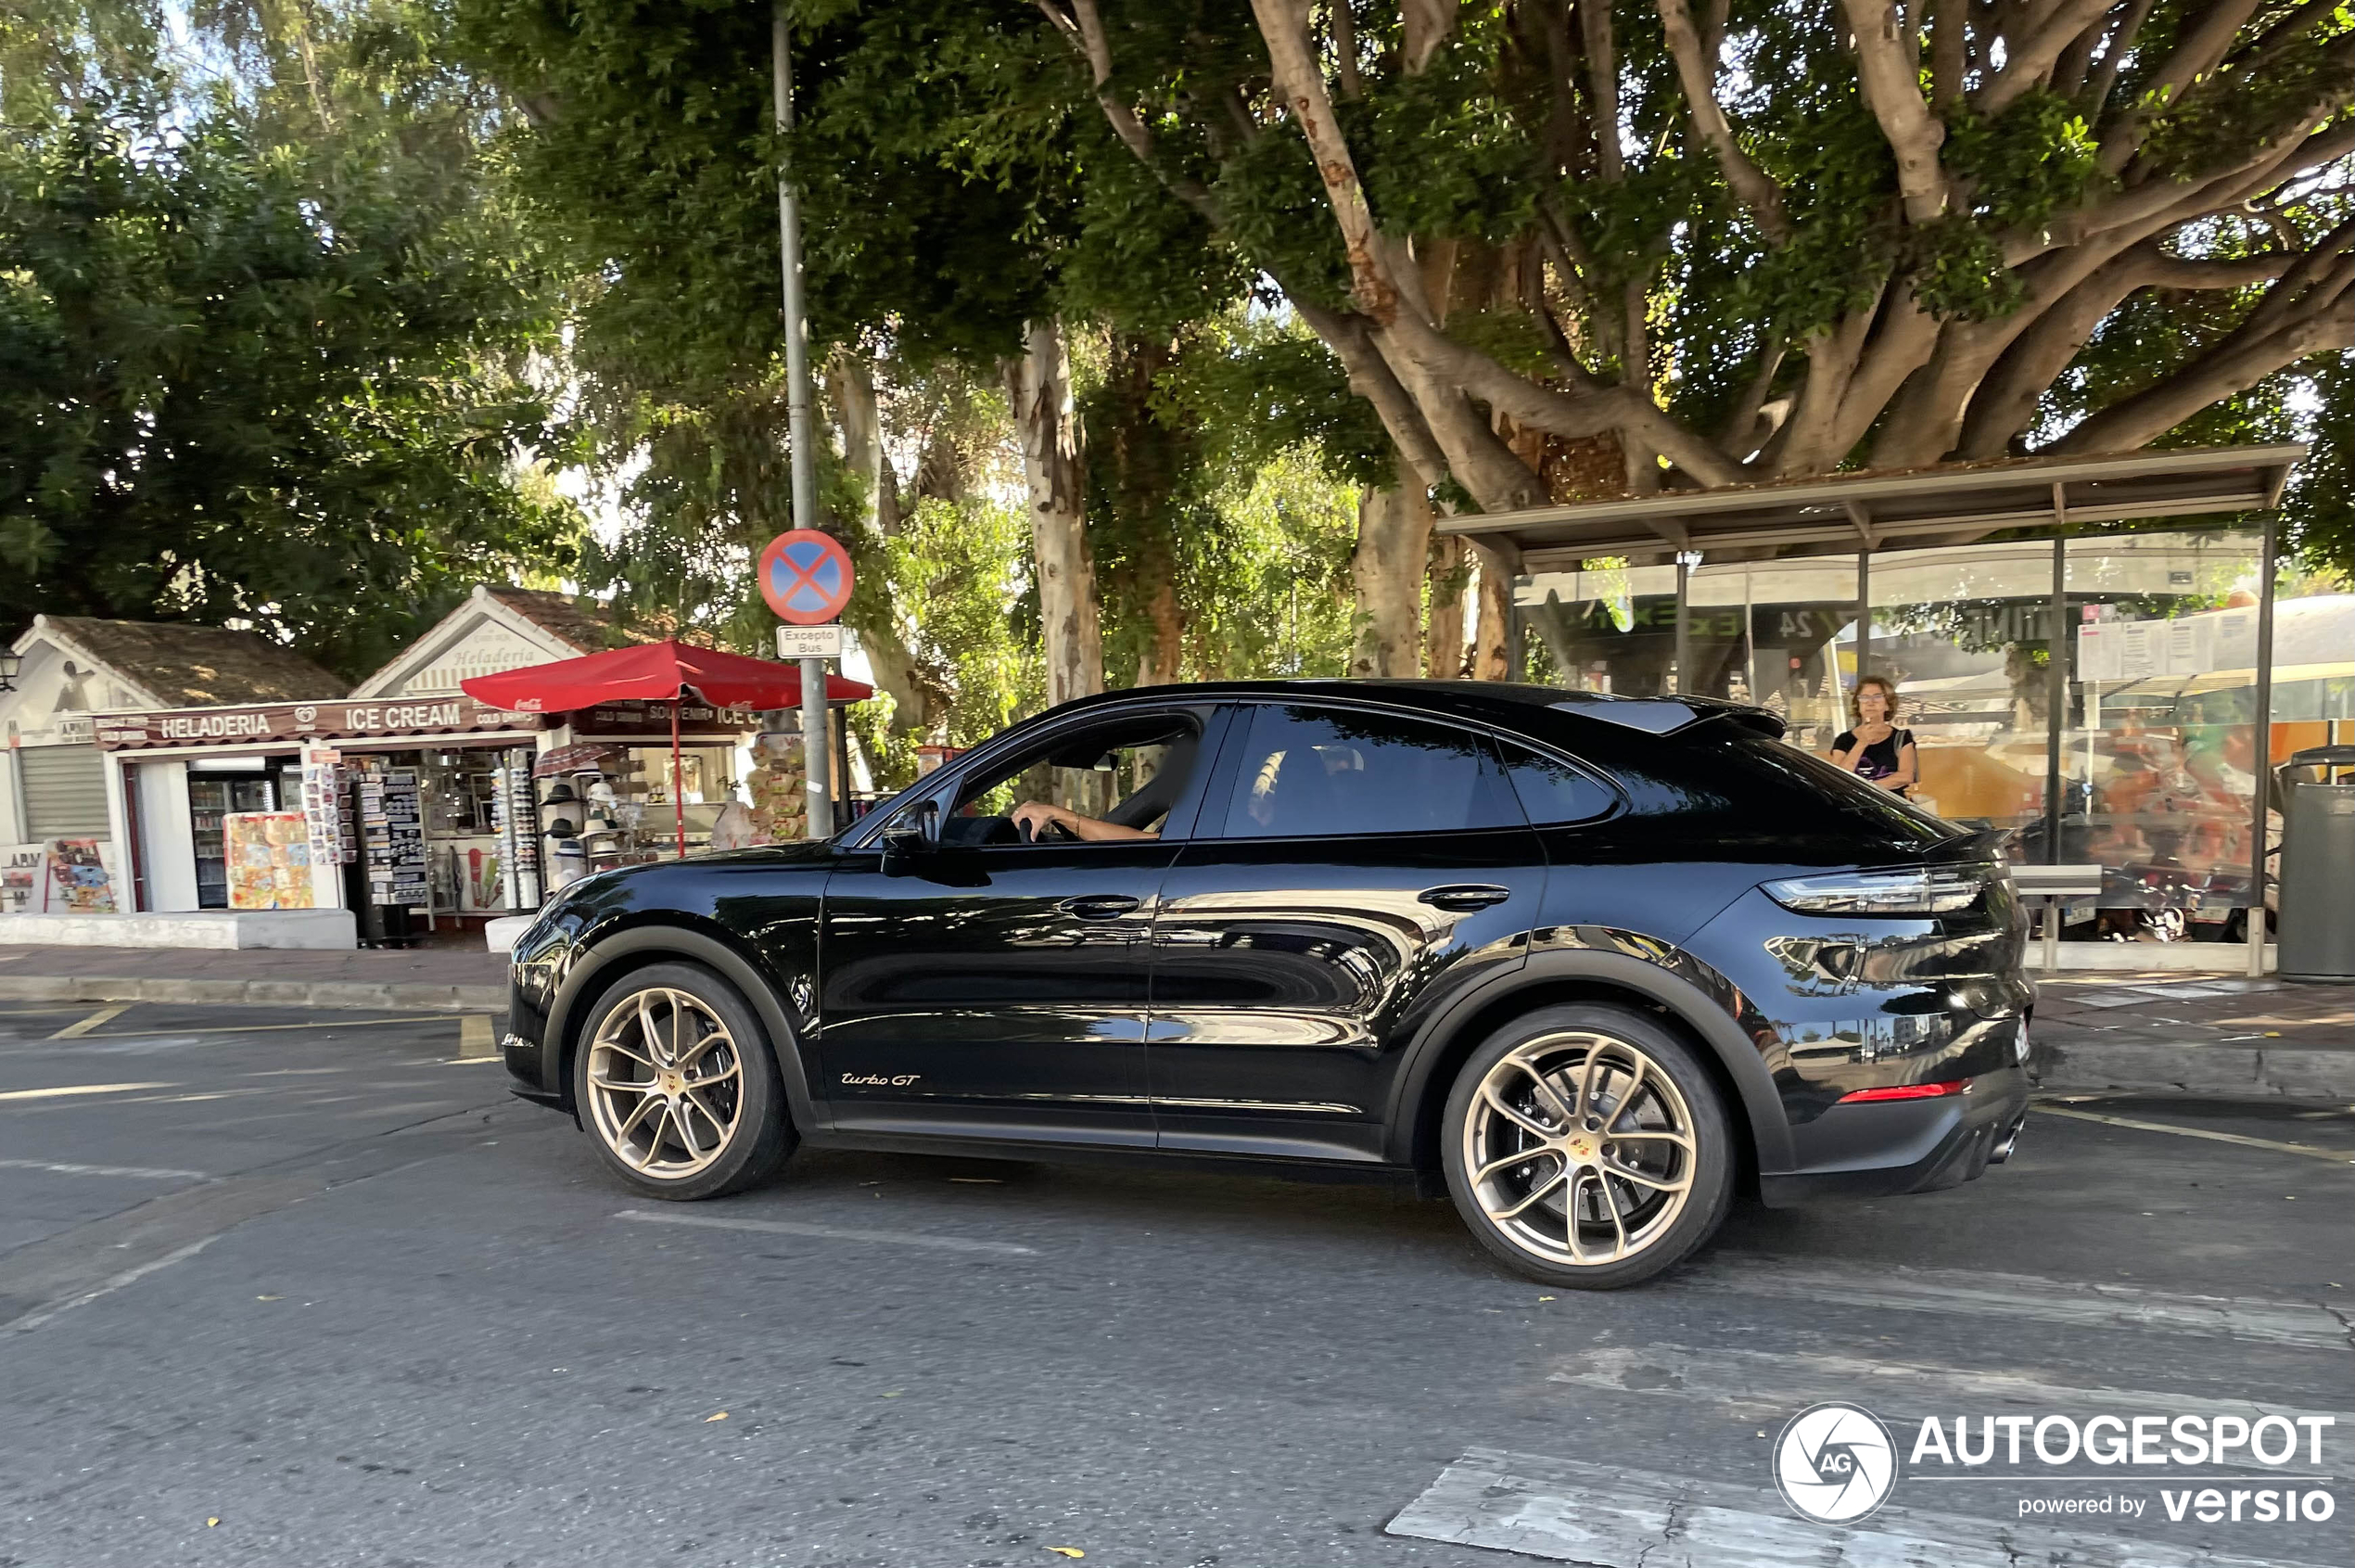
1034	817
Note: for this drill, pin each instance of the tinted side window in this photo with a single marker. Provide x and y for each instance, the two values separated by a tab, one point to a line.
1310	772
1554	792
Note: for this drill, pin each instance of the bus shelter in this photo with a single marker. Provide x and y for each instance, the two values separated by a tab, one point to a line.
2102	653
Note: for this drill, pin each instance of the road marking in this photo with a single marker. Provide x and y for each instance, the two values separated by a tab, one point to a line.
1979	1294
83	1026
33	1319
80	1088
265	1028
1762	1382
831	1232
474	1038
2337	1156
1601	1514
144	1173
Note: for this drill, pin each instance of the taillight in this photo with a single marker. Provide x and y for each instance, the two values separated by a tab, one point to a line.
1906	1091
1914	890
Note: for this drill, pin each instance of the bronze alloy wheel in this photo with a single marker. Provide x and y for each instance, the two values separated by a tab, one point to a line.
1587	1147
1580	1149
665	1084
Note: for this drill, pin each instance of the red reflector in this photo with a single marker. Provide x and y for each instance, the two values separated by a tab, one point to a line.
1906	1091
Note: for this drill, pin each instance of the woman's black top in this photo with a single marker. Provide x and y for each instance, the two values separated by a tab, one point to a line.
1880	758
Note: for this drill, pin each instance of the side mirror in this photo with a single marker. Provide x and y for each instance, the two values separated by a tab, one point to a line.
908	841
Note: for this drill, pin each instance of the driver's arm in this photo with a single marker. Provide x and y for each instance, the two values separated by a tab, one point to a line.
1035	816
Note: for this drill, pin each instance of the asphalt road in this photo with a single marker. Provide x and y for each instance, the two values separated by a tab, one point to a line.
309	1289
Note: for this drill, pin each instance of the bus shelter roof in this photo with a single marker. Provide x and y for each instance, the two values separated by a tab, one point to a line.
1949	504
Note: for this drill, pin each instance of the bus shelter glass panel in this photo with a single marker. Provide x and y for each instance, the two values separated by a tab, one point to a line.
1965	633
2161	745
1608	628
1779	634
2313	661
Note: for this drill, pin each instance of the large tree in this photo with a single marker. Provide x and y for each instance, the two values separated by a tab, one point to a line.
1753	241
264	338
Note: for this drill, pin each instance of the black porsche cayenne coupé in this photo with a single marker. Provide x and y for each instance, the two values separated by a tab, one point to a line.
1594	962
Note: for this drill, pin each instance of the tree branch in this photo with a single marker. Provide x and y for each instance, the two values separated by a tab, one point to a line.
2233	366
1890	76
2121	43
1084	29
2025	66
1283	25
1697	72
2197	52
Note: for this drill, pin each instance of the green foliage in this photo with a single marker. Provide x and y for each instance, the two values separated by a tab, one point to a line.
955	569
1958	272
247	379
2025	164
1444	153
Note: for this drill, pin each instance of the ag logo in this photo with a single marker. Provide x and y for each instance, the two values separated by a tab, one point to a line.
1835	1463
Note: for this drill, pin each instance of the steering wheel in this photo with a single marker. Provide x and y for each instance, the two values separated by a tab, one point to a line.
1053	833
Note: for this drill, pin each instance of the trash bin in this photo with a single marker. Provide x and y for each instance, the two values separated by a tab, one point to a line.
2317	927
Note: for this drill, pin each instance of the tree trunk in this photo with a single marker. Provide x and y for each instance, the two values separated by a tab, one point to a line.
1491	659
1038	388
1449	574
1166	644
1386	579
918	701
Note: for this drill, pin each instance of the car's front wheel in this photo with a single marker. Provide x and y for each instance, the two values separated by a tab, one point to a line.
1586	1146
675	1082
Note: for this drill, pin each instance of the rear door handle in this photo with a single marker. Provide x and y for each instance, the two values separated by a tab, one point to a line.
1099	906
1464	895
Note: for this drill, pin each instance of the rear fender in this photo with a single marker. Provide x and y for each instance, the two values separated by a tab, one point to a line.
1673	980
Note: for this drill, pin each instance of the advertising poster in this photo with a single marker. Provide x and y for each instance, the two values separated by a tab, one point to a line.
77	882
269	860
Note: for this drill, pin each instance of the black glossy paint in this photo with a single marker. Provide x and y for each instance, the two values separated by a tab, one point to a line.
1303	997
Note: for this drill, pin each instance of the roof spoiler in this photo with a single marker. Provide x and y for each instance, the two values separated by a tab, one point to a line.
1669	716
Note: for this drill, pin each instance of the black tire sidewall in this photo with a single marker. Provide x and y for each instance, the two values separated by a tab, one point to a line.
764	1133
1714	1158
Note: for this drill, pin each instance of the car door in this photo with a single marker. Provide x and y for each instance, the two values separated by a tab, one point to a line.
1352	867
987	986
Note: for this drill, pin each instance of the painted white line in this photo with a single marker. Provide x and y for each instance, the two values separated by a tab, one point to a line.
143	1173
68	1090
474	1038
83	1026
128	1276
1762	1382
831	1232
1614	1518
265	1028
1973	1293
2311	1151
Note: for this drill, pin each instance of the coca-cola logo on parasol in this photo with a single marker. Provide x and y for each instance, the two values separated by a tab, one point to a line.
805	576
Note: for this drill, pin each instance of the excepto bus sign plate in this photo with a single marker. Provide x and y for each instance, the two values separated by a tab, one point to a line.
809	642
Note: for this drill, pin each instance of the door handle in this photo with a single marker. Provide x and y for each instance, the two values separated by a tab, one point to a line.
1464	895
1099	906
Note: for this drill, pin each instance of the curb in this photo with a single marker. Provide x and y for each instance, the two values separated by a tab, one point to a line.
2164	1066
257	993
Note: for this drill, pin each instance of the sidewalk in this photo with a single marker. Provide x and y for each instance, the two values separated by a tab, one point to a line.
2162	1032
2155	1033
428	979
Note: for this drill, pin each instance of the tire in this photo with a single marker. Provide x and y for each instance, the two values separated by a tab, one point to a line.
1517	1091
700	1130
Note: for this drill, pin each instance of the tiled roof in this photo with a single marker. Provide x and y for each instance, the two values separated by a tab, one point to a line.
188	665
590	629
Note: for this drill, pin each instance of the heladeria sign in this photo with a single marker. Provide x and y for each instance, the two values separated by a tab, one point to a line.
304	722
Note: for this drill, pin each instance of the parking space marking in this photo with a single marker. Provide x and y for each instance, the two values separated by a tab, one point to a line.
265	1028
143	1173
66	1090
83	1026
2027	1297
1618	1518
1767	1383
2311	1151
830	1232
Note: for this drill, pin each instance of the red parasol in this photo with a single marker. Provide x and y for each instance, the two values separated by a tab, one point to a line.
665	671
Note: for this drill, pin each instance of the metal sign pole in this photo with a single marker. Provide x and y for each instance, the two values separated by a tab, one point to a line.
805	489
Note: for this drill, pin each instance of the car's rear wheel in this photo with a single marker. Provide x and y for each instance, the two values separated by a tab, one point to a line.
675	1082
1586	1146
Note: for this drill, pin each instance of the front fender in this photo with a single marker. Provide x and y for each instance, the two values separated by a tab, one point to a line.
1656	971
605	957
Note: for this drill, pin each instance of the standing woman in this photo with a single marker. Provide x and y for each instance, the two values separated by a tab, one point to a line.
1876	750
